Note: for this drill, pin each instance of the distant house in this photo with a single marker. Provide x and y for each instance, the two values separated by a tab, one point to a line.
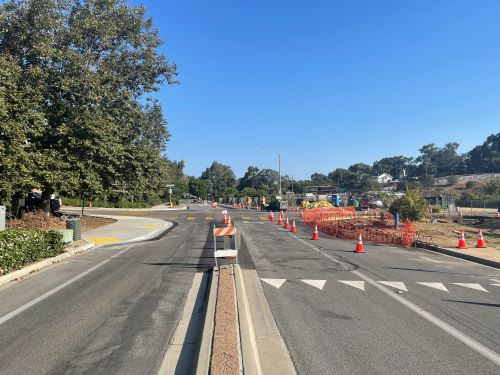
385	178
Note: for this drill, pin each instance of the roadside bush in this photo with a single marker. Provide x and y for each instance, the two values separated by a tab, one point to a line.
18	247
411	206
452	180
436	209
470	184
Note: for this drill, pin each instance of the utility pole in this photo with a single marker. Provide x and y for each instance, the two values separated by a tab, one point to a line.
279	172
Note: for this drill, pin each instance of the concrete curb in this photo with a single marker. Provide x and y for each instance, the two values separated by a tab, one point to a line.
249	352
471	258
205	351
44	263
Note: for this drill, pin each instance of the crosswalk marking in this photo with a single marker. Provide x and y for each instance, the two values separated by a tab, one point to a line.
353	283
277	283
439	286
472	286
395	284
315	283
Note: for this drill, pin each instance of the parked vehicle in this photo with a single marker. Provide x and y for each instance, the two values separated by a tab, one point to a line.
33	202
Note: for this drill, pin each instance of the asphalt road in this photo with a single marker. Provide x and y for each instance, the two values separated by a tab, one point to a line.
346	313
114	310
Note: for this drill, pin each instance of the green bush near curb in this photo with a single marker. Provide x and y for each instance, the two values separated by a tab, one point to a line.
18	247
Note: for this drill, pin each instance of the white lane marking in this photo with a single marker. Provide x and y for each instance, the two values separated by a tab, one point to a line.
356	284
495	280
395	284
315	283
277	283
439	286
496	284
430	260
26	306
452	331
472	286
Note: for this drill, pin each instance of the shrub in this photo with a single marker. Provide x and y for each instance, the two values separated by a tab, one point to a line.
470	184
436	209
411	206
18	247
452	180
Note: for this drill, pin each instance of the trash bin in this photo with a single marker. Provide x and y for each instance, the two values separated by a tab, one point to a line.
75	225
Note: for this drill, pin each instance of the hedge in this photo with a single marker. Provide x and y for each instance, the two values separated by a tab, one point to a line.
18	247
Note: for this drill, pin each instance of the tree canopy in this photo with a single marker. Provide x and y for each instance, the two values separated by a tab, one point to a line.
75	112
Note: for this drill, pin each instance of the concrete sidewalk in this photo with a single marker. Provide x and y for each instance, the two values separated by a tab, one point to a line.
91	210
126	229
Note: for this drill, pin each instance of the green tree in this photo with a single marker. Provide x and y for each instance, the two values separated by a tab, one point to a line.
486	157
198	187
394	165
218	177
411	206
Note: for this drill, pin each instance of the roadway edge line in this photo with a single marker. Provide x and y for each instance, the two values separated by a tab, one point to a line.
452	331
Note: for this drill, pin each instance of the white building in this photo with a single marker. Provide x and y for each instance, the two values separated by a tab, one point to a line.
385	178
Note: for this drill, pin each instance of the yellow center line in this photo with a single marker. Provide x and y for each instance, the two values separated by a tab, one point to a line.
151	226
190	218
208	218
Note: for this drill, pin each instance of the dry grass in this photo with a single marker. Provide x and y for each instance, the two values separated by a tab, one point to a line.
39	220
444	232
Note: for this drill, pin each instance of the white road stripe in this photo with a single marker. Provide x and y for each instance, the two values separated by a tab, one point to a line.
472	286
439	286
354	283
315	283
395	284
277	283
430	260
26	306
470	342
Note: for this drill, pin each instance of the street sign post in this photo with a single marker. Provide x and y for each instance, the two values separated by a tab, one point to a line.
170	191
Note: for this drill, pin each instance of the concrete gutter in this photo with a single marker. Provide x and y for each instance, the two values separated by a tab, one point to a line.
205	350
456	254
19	274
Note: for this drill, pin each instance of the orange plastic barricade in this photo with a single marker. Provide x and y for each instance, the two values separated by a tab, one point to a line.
225	253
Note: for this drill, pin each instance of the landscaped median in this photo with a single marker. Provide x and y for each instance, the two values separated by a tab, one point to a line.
19	247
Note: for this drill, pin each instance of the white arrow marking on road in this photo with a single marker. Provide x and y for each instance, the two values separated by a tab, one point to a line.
495	280
472	286
496	284
315	283
274	282
356	284
439	286
395	284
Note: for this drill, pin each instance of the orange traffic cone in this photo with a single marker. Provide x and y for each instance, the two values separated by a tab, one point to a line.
480	240
229	222
280	219
315	233
461	240
287	224
225	220
271	216
294	228
359	245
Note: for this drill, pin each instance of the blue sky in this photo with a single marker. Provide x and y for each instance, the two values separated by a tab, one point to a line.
326	83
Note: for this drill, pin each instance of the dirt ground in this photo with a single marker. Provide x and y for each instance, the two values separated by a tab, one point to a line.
445	232
38	220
